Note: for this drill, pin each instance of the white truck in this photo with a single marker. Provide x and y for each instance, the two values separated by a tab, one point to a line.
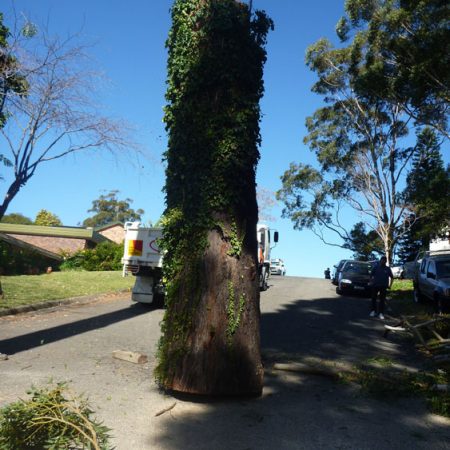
264	247
143	259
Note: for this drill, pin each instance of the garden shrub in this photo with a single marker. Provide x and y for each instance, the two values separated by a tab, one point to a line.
21	261
106	256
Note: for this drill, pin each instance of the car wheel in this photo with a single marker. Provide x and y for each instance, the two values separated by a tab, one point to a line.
418	297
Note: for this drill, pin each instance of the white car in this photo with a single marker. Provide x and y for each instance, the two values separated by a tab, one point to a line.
277	267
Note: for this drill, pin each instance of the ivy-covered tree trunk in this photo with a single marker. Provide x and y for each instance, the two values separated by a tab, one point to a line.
210	343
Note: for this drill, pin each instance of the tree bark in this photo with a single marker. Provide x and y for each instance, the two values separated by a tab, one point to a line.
223	356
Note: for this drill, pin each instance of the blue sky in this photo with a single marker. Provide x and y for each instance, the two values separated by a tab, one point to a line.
129	38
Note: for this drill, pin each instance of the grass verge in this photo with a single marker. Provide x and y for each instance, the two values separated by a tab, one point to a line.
31	289
384	383
401	301
388	385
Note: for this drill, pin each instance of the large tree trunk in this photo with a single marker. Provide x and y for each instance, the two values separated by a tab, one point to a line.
210	332
222	353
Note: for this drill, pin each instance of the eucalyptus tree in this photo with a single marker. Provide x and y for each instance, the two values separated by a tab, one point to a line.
407	54
359	136
109	208
210	342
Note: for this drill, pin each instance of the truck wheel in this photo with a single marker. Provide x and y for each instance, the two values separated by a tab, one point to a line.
263	280
418	297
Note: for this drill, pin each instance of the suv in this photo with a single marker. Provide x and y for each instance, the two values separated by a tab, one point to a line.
432	279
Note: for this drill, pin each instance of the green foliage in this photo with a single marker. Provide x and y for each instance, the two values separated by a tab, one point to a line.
215	62
11	80
47	219
428	191
51	419
358	136
386	384
20	261
105	256
365	245
108	208
234	312
16	218
406	48
235	242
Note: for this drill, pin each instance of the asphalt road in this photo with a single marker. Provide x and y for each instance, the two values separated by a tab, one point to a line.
301	318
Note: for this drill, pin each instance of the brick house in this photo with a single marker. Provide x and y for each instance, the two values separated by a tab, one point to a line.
114	231
51	241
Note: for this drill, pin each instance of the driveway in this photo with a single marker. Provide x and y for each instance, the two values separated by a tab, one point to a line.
301	318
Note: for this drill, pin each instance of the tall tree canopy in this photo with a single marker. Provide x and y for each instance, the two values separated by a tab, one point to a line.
406	54
109	208
427	192
210	342
359	136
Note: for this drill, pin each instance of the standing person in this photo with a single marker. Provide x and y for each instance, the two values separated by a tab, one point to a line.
327	273
381	279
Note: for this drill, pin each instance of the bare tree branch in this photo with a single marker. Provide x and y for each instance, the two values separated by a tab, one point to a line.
57	115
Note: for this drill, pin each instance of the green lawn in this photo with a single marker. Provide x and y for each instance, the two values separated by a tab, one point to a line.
401	301
29	289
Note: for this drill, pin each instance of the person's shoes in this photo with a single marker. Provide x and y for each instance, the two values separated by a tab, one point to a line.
372	314
380	316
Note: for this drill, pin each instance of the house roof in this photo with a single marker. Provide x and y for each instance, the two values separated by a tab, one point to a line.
67	232
18	243
109	225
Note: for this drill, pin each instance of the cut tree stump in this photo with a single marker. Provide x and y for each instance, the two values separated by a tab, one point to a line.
133	357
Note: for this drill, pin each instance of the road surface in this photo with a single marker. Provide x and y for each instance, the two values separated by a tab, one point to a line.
301	318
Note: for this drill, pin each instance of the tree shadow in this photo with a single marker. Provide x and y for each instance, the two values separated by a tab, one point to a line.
299	411
46	336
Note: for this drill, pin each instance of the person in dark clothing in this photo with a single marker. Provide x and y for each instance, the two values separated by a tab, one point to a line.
381	279
327	273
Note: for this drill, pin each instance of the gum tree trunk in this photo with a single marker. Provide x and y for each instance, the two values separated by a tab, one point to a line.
210	341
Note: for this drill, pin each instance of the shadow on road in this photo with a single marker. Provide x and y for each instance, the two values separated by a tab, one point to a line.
307	412
49	335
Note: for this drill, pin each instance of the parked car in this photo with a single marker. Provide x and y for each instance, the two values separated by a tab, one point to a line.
354	278
337	269
398	271
277	267
432	279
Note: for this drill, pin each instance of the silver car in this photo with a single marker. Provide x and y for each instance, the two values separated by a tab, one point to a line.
432	280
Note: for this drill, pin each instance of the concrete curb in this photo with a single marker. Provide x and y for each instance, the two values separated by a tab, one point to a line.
57	303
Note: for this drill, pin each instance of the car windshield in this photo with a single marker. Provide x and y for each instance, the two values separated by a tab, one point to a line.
357	268
443	269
